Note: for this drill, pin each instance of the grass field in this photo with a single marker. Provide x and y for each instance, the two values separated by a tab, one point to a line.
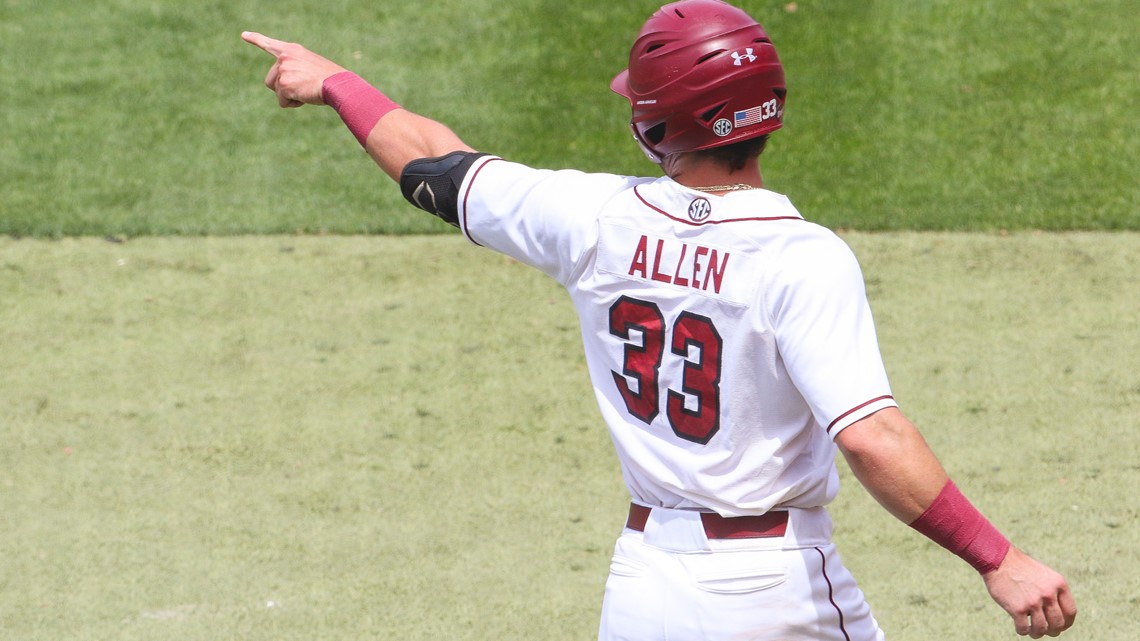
236	407
300	437
129	118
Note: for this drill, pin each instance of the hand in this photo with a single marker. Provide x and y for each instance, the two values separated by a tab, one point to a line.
1036	597
298	74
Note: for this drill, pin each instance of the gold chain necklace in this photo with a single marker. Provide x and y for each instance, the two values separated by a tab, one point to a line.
736	187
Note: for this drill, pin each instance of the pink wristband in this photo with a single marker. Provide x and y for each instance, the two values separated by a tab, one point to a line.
952	522
359	104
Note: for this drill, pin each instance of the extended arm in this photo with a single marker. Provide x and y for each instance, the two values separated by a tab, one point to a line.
891	459
392	136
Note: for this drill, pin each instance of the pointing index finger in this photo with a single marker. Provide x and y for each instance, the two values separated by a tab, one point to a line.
269	45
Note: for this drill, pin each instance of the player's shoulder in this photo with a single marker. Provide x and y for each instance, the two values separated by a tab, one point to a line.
792	244
814	263
786	234
813	248
581	184
810	236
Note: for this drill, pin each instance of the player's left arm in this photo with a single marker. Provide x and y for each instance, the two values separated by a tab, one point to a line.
391	135
890	458
521	210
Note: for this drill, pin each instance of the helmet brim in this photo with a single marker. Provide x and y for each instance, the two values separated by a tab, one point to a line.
620	84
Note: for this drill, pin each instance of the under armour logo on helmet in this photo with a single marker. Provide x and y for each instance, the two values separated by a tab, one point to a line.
748	55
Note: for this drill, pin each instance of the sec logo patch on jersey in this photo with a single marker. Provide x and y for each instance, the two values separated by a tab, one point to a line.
700	210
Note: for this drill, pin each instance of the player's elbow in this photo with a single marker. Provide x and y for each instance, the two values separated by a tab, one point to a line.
884	438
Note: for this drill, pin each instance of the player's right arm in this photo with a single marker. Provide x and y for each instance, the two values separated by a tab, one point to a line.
392	136
891	459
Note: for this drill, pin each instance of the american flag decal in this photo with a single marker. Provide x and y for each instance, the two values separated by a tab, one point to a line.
749	116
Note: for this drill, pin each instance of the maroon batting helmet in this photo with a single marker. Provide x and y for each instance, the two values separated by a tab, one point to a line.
702	73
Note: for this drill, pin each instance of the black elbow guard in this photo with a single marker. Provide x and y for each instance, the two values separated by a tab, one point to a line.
432	184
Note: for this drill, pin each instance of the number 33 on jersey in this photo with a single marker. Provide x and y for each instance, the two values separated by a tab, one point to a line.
694	411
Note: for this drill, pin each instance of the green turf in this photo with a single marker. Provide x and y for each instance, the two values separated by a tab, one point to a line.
297	437
340	438
129	118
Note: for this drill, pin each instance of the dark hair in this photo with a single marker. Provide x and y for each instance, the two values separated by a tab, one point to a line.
736	155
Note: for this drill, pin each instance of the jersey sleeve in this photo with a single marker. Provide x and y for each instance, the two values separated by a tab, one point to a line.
825	333
544	218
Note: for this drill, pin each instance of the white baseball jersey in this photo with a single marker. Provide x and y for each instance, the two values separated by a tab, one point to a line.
728	340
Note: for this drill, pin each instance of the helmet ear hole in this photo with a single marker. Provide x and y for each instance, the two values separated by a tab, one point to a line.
655	134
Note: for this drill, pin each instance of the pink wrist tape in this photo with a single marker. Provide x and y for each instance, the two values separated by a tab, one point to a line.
359	104
952	522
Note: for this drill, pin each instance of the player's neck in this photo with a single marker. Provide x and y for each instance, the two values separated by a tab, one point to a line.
700	172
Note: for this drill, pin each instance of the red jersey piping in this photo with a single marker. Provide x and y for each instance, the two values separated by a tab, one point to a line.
467	195
707	222
856	409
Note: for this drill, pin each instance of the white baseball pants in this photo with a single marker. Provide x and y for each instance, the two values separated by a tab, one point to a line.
673	583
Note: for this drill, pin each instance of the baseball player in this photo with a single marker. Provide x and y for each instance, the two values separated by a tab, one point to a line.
729	342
